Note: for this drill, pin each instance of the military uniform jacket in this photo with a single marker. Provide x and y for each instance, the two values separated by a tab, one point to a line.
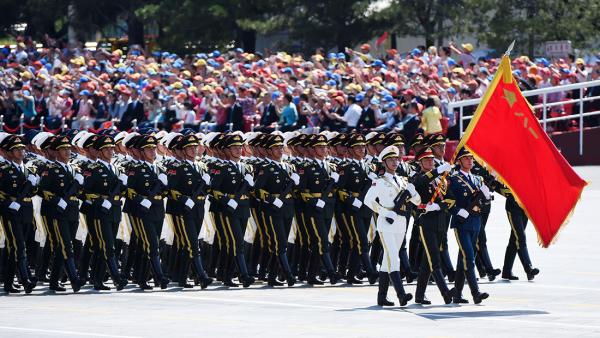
58	181
228	183
273	181
14	187
143	183
82	164
185	182
426	184
125	165
465	190
353	185
316	184
100	184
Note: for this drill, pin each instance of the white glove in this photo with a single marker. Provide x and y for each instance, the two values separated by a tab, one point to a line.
444	168
123	179
14	206
320	203
357	203
163	178
206	178
189	203
463	213
486	192
146	203
79	178
34	179
432	207
335	176
277	202
372	176
411	189
62	204
249	179
232	203
295	178
106	205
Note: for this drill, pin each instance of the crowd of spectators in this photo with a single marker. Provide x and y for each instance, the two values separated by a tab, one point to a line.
53	87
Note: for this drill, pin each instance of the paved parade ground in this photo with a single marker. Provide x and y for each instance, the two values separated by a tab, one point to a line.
564	300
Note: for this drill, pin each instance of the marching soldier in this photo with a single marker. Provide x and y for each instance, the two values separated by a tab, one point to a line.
145	188
17	186
230	185
437	143
316	186
187	187
517	243
352	188
470	191
388	197
431	222
274	189
103	185
60	185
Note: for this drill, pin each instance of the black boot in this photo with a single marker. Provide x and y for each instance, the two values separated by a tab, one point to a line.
272	274
113	269
384	284
285	266
422	281
247	280
403	297
313	268
201	275
459	284
532	273
438	276
159	277
98	274
472	281
333	277
509	259
28	285
72	272
487	264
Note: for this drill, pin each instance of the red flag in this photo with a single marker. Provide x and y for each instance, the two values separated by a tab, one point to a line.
381	39
506	136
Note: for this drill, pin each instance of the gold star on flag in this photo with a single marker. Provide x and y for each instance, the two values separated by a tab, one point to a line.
510	97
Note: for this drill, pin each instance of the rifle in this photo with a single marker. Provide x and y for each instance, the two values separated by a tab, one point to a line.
399	202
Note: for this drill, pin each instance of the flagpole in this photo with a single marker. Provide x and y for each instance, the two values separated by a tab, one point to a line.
443	179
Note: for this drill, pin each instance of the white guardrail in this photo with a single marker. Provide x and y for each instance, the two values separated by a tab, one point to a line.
545	105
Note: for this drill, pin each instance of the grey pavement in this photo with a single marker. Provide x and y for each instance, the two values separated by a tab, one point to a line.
564	300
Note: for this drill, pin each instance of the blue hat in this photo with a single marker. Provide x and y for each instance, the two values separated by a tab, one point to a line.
360	97
331	56
201	56
341	56
216	54
275	95
287	70
374	101
388	98
239	50
415	51
484	70
377	63
148	130
391	105
331	83
84	79
247	66
260	63
84	92
451	90
451	62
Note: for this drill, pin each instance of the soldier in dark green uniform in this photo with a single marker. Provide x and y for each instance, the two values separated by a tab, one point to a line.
316	187
230	185
352	187
187	188
273	187
60	185
103	185
432	223
17	186
145	188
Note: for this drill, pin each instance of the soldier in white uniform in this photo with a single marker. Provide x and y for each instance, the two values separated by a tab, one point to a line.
388	197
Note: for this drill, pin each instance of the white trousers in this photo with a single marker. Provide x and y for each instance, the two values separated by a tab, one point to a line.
391	242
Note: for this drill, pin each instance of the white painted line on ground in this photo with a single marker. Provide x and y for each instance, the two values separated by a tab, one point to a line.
62	332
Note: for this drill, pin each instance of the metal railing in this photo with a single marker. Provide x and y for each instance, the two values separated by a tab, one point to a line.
544	106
